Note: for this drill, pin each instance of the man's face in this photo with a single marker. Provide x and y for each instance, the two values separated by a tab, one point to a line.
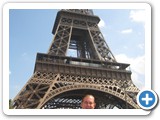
88	103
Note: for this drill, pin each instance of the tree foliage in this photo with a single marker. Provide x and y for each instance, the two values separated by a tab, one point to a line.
10	104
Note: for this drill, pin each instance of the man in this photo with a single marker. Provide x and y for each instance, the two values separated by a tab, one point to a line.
88	102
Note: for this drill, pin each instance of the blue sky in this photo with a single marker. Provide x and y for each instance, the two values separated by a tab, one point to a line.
31	32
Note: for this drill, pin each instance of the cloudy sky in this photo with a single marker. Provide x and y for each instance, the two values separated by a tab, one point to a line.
30	32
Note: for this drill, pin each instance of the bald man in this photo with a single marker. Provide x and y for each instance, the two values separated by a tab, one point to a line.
88	102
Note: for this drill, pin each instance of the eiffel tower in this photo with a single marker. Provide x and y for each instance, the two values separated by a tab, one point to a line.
60	81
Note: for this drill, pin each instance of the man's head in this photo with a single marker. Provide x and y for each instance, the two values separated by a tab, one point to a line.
88	102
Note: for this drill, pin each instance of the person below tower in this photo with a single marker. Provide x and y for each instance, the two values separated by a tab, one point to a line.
88	102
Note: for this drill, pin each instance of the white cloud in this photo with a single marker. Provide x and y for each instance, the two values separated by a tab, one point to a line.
9	72
136	80
125	47
141	46
101	24
126	31
137	15
123	58
137	66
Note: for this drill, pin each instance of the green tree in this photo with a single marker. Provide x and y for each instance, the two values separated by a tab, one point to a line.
10	104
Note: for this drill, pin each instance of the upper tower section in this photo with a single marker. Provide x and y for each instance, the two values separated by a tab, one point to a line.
76	32
77	14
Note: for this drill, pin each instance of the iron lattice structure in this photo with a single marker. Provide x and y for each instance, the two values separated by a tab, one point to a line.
60	81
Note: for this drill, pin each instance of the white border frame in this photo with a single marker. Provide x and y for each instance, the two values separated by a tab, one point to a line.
8	6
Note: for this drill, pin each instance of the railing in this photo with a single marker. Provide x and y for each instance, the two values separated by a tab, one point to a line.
46	58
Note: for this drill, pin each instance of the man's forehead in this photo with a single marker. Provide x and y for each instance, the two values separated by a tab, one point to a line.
89	96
